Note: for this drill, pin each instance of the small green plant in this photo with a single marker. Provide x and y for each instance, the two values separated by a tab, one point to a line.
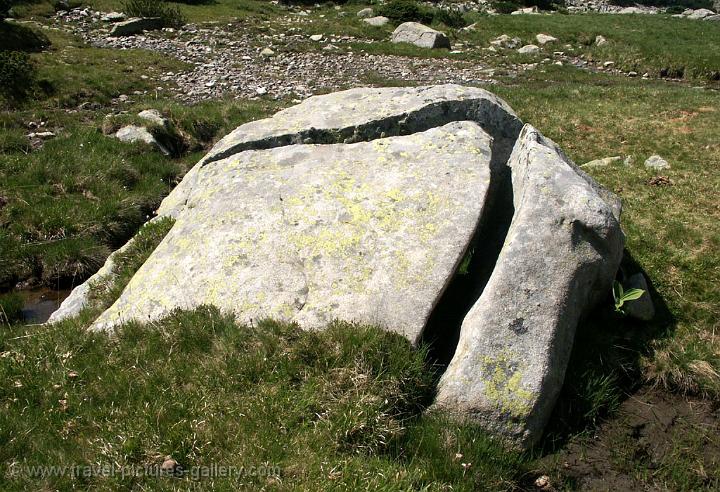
170	15
621	296
465	263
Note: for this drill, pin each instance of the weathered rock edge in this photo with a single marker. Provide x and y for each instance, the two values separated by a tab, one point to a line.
354	115
560	256
359	115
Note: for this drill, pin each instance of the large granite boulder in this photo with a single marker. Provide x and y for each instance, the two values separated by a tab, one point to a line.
361	205
420	35
370	232
355	115
560	256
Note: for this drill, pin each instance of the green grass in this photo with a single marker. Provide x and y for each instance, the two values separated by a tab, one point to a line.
635	43
83	194
672	231
331	410
639	43
203	389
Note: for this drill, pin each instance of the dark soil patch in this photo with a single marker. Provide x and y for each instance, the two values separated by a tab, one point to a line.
656	441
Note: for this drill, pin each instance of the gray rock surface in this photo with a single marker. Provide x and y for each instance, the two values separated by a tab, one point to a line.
605	161
153	116
700	14
420	35
560	256
656	163
113	17
351	116
365	13
355	115
136	25
133	134
631	10
545	39
526	10
529	49
377	21
505	41
362	232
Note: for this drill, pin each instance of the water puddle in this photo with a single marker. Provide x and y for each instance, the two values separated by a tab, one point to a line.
41	303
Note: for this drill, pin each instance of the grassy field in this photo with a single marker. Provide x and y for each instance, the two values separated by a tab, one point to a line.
342	409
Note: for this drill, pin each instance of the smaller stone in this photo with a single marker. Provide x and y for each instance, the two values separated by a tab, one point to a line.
42	135
545	38
700	14
504	41
136	26
170	466
542	482
632	74
602	162
267	52
608	64
529	49
656	163
366	13
420	35
377	21
133	134
600	40
528	10
641	308
153	116
261	91
316	37
628	160
113	17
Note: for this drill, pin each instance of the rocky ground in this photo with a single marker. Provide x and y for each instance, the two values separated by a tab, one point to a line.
240	61
276	59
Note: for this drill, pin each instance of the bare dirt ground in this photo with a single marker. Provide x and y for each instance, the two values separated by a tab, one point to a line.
639	445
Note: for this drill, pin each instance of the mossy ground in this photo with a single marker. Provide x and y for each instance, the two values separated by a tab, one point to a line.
202	389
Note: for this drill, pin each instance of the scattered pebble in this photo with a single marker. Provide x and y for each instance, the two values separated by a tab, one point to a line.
657	163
